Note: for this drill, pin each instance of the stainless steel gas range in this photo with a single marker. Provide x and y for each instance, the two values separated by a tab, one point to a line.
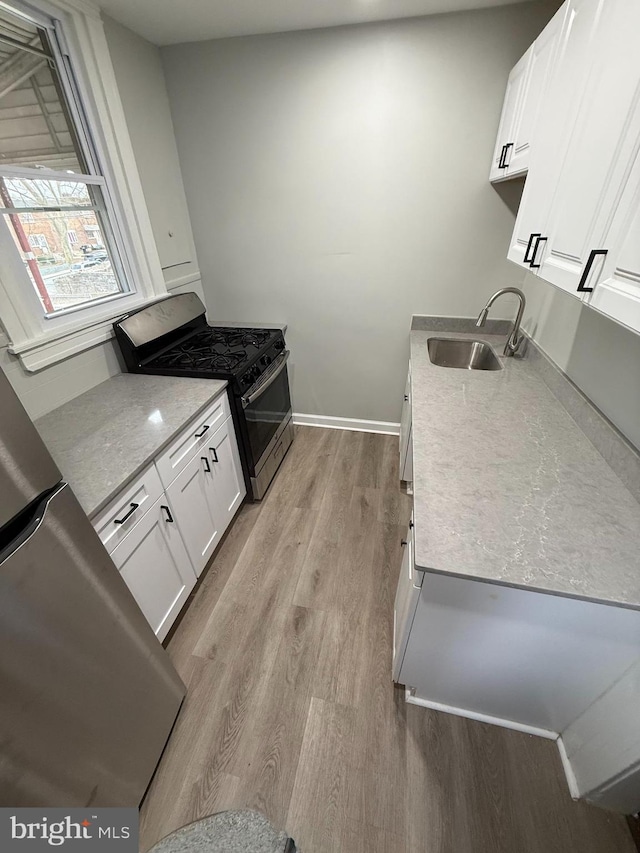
173	338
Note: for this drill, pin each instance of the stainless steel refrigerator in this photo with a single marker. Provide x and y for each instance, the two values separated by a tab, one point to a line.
88	695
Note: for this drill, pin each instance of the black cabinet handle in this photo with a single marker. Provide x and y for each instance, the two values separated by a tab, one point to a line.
403	542
502	164
122	520
215	455
411	525
207	467
169	517
532	262
406	398
204	429
587	269
527	259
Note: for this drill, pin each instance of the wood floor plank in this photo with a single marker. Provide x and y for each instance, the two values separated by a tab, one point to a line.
317	808
287	649
269	760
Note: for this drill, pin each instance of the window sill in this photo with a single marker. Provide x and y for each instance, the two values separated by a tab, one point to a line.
45	350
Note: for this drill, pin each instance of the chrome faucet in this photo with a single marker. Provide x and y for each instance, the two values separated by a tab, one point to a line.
515	339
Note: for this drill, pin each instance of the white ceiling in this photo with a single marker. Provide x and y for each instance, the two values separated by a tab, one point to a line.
175	21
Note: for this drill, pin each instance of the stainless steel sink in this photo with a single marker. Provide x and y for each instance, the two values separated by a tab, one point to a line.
464	354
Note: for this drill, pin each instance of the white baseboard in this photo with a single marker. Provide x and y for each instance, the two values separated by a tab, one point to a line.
482	718
327	422
568	770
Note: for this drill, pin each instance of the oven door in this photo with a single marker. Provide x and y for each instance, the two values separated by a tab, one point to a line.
267	406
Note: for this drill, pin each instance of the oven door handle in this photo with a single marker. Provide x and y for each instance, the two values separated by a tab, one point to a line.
278	366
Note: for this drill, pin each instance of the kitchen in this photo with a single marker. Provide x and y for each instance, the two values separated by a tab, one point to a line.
328	187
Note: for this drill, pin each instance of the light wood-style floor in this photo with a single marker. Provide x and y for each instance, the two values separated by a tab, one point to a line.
286	651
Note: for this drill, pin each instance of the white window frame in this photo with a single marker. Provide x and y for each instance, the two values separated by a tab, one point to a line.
40	341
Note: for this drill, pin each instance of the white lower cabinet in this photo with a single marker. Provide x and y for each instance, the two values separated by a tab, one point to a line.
407	595
194	500
155	565
406	443
227	472
162	540
207	493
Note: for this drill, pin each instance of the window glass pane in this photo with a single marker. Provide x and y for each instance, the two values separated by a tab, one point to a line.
66	256
41	192
35	127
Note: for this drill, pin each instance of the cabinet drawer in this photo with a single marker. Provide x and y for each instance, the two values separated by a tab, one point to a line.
124	511
190	441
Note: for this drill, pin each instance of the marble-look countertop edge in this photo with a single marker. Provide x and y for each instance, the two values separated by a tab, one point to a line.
526	587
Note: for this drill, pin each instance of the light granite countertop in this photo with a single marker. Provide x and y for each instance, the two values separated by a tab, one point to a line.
509	490
102	439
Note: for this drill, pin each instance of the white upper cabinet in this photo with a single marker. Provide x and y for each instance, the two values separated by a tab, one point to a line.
526	92
578	225
600	158
616	291
574	25
501	165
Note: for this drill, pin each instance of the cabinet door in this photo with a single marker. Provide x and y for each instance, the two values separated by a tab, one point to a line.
602	152
155	566
405	425
513	98
228	481
407	595
542	56
557	115
194	504
617	293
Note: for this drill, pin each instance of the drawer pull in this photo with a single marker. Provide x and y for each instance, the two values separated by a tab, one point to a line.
403	542
169	517
122	520
527	259
215	454
587	269
200	434
532	262
503	155
207	467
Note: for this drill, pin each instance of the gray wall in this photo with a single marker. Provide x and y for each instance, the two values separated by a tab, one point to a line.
141	83
337	180
601	357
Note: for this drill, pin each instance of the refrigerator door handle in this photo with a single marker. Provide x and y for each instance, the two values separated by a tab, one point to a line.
22	528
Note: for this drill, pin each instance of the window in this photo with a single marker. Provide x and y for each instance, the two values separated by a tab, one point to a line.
39	241
55	199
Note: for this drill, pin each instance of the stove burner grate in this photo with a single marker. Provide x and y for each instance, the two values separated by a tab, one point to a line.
199	358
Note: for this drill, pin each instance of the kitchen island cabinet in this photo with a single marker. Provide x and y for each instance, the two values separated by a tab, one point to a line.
517	604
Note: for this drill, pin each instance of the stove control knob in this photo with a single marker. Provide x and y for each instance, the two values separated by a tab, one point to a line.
265	360
279	345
